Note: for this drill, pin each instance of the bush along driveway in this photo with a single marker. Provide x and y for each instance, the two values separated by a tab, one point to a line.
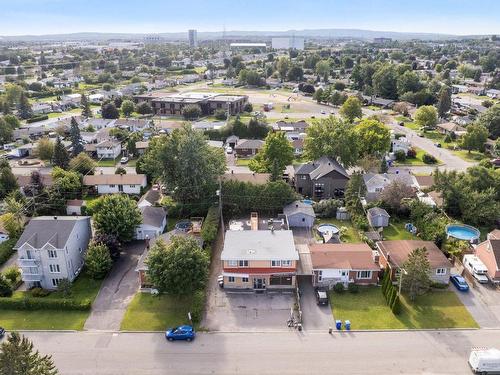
117	291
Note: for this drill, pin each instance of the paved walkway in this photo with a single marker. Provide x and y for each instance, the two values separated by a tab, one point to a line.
117	291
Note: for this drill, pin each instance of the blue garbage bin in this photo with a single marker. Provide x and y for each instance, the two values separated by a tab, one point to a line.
347	325
338	324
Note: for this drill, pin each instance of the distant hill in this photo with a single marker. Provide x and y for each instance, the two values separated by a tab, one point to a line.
257	35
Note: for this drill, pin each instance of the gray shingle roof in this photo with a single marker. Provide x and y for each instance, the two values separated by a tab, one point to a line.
45	229
153	216
299	207
376	211
321	167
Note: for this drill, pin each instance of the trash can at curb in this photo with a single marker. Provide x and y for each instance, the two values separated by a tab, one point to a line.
347	325
338	324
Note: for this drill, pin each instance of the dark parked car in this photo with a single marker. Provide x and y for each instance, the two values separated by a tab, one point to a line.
321	297
2	332
180	333
459	282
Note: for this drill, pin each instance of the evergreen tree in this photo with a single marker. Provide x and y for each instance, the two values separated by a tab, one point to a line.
444	103
76	138
18	357
85	105
61	155
416	279
25	111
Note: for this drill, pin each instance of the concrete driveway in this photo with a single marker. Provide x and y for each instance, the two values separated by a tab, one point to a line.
314	317
117	291
483	303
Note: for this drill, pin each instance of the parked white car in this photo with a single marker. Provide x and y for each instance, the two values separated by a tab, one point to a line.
476	268
485	360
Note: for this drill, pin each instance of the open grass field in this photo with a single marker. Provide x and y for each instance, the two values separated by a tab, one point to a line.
368	310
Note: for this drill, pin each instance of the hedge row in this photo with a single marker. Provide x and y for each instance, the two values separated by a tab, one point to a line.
390	293
44	304
210	225
37	118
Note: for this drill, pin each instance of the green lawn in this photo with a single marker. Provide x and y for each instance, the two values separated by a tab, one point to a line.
417	160
368	310
352	235
155	313
396	231
243	162
412	125
106	163
470	156
83	288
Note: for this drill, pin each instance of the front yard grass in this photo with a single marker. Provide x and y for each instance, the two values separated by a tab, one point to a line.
147	312
352	235
470	156
243	162
368	310
83	288
107	163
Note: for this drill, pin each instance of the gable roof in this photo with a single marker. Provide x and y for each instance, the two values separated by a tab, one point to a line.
299	207
399	250
259	245
249	143
54	230
153	216
492	245
321	167
152	196
347	256
494	234
451	127
377	211
253	178
425	181
384	179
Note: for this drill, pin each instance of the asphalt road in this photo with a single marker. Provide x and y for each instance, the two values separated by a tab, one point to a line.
407	352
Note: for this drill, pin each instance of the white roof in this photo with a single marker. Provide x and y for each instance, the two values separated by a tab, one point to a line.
259	245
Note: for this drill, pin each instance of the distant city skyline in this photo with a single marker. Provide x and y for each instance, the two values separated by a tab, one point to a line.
458	17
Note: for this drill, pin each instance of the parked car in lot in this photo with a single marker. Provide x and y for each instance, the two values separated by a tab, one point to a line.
229	150
220	281
180	333
459	283
124	160
321	297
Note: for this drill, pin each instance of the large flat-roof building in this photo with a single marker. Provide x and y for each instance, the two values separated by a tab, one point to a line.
288	43
172	104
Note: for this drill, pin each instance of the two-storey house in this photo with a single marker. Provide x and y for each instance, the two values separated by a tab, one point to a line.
109	149
53	248
259	259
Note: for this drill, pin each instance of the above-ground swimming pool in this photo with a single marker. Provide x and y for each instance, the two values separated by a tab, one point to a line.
184	225
462	232
308	201
327	229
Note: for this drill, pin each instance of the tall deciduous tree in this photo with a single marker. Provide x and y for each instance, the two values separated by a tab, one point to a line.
491	120
334	138
475	137
109	111
274	156
127	107
76	138
8	181
98	260
283	65
426	116
385	82
18	357
416	275
351	109
374	137
179	268
323	69
60	158
83	164
116	214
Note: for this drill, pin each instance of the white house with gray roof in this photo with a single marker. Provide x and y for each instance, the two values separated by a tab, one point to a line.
375	183
154	221
52	248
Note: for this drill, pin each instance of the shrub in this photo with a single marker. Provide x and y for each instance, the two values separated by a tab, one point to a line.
6	250
400	155
396	305
44	304
248	107
210	225
5	288
198	306
436	285
64	287
326	207
429	159
13	275
220	114
39	292
360	222
191	112
98	260
412	154
353	288
339	288
447	138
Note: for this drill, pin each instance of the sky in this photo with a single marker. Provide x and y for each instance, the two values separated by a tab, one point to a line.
460	17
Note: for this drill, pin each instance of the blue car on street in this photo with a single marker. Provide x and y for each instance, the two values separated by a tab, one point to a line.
180	333
459	282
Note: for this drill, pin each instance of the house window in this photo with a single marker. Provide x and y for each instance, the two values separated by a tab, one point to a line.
344	273
111	186
244	279
441	271
364	275
54	268
286	263
303	177
276	263
52	254
243	263
230	279
132	186
232	263
55	282
280	280
320	276
378	190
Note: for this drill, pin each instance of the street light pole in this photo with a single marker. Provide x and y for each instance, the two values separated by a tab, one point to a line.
401	271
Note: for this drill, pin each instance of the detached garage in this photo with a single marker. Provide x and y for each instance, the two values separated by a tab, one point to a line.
154	220
299	214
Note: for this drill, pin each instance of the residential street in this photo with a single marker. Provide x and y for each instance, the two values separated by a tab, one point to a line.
408	352
117	291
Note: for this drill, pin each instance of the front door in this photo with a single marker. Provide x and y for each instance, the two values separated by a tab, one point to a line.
259	283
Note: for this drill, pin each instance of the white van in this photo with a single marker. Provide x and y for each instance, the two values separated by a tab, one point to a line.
477	268
485	360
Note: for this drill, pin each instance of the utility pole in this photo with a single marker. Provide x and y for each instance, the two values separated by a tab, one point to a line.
219	193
